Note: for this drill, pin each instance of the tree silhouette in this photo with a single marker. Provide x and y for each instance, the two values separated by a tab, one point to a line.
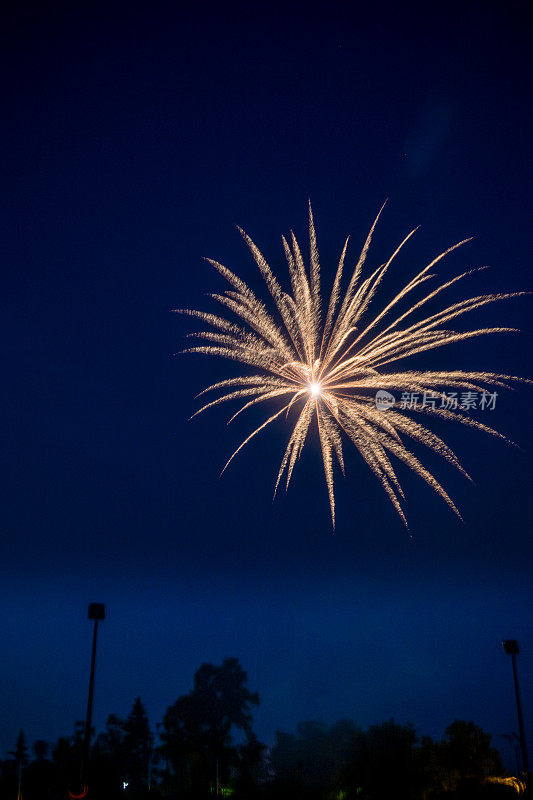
20	755
137	744
121	753
40	749
314	760
384	762
111	740
467	749
198	729
66	756
460	761
209	747
108	758
40	776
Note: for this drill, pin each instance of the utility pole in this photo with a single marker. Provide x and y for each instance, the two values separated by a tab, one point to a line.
20	758
96	613
19	777
150	757
511	648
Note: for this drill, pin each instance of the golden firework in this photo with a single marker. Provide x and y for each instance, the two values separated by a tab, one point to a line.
326	363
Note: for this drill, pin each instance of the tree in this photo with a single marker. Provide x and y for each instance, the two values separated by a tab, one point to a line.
12	769
137	745
198	728
66	756
312	763
40	778
108	758
111	741
460	761
122	752
40	749
467	750
20	755
388	763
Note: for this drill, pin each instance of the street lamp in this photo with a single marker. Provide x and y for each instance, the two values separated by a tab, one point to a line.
511	648
97	613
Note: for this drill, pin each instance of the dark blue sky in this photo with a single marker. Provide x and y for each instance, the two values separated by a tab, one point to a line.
135	137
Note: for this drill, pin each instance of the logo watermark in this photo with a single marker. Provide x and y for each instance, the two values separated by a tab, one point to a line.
384	400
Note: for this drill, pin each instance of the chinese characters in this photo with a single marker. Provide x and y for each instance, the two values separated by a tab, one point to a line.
453	401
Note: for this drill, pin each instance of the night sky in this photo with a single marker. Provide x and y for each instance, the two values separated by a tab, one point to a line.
135	137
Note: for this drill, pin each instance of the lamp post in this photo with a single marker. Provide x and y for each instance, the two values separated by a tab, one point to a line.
511	648
97	613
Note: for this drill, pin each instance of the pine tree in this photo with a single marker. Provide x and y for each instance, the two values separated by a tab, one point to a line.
137	744
20	754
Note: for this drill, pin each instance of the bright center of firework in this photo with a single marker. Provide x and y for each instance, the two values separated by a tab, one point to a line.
315	389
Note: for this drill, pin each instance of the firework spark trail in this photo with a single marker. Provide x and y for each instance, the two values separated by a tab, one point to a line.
322	364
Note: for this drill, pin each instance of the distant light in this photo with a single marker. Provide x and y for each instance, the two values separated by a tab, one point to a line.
125	784
315	389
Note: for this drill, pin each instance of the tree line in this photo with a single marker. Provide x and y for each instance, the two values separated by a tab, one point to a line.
205	747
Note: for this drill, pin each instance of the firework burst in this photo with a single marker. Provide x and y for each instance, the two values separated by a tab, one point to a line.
325	363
